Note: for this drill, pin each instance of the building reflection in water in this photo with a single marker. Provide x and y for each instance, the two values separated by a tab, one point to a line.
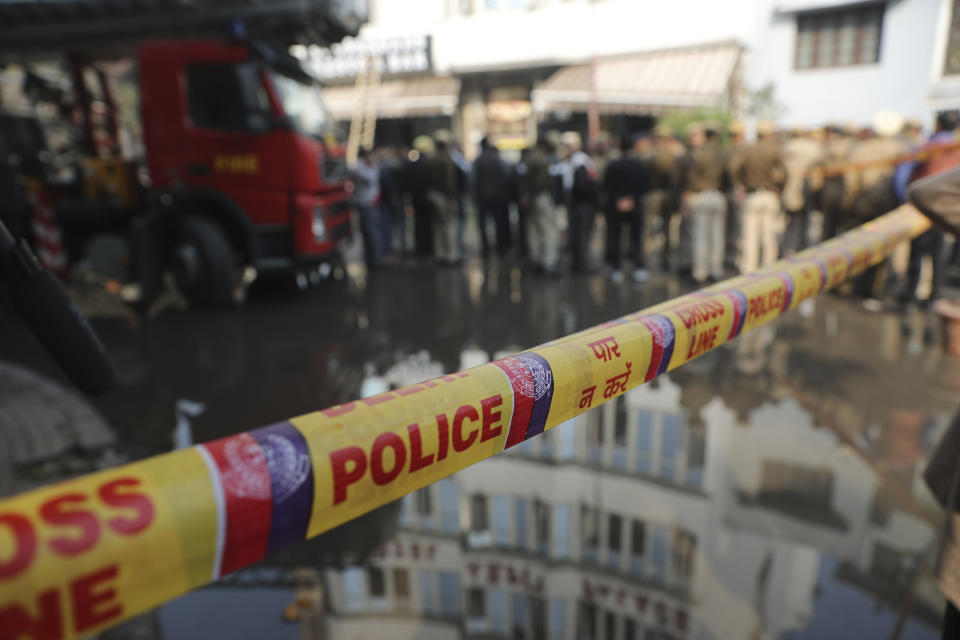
682	509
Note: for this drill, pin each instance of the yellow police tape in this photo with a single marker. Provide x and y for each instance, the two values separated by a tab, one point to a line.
87	553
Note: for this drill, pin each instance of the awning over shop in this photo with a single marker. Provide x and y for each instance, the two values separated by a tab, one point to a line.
405	98
798	6
650	82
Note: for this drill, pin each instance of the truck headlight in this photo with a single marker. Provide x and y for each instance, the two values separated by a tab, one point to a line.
318	226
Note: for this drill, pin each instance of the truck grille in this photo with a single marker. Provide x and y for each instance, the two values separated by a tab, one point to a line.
342	230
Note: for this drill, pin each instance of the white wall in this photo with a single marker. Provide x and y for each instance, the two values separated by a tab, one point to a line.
900	81
558	32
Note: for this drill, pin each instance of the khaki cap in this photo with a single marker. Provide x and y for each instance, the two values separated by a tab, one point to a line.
765	128
887	123
663	131
571	139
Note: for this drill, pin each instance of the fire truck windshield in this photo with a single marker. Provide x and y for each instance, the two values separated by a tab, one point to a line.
303	104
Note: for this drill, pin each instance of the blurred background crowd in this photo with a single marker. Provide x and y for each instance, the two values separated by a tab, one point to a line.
702	201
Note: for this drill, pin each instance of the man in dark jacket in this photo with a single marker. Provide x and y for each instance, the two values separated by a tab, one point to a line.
442	193
391	202
490	190
580	184
625	181
415	185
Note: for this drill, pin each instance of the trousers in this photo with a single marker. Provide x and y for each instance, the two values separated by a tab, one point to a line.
760	211
544	231
444	226
708	211
616	221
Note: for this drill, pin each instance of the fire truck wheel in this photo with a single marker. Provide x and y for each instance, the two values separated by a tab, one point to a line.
203	263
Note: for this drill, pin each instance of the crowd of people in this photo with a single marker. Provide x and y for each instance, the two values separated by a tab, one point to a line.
703	201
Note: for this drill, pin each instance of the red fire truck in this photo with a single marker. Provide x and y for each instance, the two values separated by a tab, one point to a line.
242	163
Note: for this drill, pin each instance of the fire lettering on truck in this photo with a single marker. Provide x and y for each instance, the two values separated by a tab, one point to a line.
390	452
236	163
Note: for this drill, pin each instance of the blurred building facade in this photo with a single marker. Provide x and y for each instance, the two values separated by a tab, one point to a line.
644	519
506	67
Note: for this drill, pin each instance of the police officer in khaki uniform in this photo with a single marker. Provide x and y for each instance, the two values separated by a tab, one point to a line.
801	152
827	186
735	195
442	192
761	174
706	183
662	200
543	221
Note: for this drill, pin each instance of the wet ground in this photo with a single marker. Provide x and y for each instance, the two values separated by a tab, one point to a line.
770	489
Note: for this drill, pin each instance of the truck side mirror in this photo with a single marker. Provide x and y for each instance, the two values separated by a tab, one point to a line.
258	122
264	122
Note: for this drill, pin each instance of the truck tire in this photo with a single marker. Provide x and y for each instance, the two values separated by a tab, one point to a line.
203	263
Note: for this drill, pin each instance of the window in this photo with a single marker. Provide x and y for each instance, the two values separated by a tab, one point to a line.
521	521
498	611
839	37
644	440
401	583
303	105
809	486
951	61
696	454
567	437
546	444
609	625
449	505
671	445
630	629
500	506
561	525
220	96
449	594
478	513
615	532
590	527
558	618
684	547
638	537
620	421
595	435
619	456
538	618
476	603
587	621
541	526
353	586
427	592
659	552
376	582
424	502
519	606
